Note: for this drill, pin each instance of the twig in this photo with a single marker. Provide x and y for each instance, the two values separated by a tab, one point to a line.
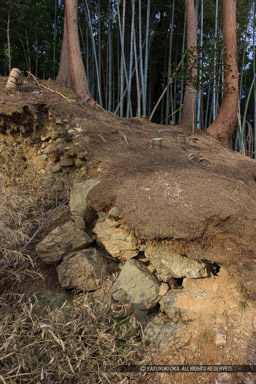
94	103
49	89
102	138
124	137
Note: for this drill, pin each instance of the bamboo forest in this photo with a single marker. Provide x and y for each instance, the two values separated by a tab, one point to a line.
135	56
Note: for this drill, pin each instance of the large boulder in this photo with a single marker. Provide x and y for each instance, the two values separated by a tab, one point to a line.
170	264
83	270
116	239
61	241
137	285
81	213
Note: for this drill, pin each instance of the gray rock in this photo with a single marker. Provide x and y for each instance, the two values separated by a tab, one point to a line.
79	162
79	222
220	339
223	378
249	381
114	213
56	168
163	289
48	300
116	239
59	140
160	332
83	270
137	285
77	204
66	162
169	264
58	121
58	132
61	241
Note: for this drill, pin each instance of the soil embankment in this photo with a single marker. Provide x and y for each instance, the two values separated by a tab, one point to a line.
192	195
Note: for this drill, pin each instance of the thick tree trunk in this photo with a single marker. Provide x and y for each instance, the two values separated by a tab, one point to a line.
64	74
71	50
79	80
189	105
223	126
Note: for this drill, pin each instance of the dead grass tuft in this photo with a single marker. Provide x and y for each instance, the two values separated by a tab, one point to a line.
16	223
78	343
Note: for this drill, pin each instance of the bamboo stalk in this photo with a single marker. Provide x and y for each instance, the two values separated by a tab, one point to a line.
169	65
131	58
122	57
245	110
146	61
110	58
93	48
141	57
137	77
13	79
183	49
99	44
123	62
54	38
9	41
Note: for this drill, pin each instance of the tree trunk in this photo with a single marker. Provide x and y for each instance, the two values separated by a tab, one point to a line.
76	64
71	54
64	74
189	104
223	126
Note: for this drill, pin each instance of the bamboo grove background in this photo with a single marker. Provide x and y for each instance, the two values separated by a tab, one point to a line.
135	57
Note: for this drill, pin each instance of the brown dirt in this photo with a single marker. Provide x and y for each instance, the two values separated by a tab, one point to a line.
196	195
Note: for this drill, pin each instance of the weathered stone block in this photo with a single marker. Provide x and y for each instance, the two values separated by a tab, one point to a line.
170	264
83	270
78	205
137	285
61	241
117	241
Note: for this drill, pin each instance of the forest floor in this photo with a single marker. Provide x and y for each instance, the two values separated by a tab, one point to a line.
192	191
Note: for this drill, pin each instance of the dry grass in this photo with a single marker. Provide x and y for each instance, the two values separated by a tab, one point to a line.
78	343
15	225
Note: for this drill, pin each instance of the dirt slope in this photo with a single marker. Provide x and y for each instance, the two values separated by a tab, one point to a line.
192	192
